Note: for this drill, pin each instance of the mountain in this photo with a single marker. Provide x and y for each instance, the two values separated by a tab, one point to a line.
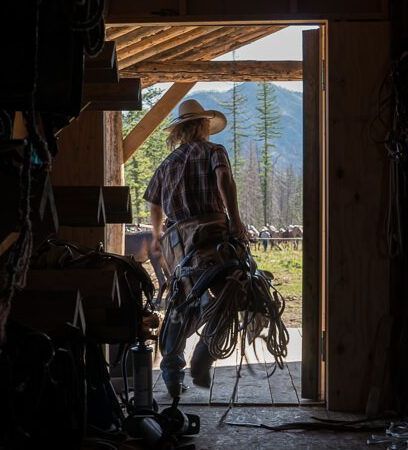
289	144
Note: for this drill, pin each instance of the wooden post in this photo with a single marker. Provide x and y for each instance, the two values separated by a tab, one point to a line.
114	175
81	162
153	118
90	154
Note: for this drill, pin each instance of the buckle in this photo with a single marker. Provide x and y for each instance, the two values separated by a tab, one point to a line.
177	271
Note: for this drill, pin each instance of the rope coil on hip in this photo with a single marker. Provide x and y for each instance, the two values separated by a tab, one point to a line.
240	308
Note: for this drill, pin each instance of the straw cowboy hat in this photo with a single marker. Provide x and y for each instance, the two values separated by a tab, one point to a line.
191	109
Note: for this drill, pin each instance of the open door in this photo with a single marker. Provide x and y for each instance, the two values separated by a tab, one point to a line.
313	205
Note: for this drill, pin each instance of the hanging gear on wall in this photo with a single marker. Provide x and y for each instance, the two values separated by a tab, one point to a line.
40	92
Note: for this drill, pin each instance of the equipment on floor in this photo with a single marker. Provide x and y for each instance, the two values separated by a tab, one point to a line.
155	430
163	430
141	355
396	434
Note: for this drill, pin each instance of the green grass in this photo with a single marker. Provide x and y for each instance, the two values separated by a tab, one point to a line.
286	267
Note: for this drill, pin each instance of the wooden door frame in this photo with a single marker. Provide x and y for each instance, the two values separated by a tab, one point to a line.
322	24
314	215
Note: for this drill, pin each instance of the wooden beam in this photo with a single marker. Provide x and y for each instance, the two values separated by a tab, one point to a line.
160	12
123	96
137	35
211	51
114	32
213	37
234	41
153	118
186	71
152	50
152	41
104	67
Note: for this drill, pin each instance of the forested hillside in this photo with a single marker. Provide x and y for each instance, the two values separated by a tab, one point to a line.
288	145
263	139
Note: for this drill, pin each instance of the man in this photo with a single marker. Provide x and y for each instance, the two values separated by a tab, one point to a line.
194	188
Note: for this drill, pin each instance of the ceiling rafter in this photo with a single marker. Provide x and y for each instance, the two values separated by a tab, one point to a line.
241	38
135	36
164	45
153	41
115	32
212	37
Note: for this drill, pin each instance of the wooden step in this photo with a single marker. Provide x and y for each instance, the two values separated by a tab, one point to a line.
80	206
123	96
118	207
44	216
53	312
98	287
102	68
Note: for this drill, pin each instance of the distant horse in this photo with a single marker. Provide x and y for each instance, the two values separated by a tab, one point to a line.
139	246
295	232
253	235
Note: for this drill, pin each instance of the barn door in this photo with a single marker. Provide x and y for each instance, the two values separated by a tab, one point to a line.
312	335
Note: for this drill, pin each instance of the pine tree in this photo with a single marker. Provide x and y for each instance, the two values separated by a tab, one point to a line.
251	192
236	111
140	168
267	127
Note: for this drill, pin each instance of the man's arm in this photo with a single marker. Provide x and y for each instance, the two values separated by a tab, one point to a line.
228	190
156	215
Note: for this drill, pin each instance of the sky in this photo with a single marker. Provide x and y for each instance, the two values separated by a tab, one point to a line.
282	45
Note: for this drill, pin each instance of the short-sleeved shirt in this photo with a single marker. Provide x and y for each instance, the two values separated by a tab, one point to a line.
185	183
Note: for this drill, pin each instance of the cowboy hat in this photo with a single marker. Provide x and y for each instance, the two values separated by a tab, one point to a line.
191	110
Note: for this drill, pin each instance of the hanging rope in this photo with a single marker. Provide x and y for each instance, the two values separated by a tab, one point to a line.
241	311
397	149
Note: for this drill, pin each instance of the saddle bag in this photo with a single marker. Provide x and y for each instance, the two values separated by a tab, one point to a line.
112	287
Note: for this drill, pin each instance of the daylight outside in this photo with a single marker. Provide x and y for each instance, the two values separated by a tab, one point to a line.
264	142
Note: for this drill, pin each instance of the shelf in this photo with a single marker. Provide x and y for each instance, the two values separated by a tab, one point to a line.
80	206
118	207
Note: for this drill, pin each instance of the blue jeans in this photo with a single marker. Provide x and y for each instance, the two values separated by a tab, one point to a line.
172	364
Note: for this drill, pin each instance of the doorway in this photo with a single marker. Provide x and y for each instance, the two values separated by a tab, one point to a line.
309	337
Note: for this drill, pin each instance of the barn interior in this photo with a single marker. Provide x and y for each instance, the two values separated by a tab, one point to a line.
70	303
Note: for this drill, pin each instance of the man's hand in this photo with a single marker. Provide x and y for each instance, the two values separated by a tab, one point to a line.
228	191
156	214
239	231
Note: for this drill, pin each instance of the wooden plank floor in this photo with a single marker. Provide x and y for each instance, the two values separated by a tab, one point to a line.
255	387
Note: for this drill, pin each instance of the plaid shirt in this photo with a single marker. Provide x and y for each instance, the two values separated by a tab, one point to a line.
185	184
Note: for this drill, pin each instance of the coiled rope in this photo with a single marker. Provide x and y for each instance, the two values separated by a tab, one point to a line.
245	306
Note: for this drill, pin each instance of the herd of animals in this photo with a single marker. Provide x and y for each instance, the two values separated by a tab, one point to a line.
138	243
269	236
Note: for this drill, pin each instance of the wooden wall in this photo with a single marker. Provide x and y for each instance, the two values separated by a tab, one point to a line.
90	154
81	162
358	270
192	11
114	174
